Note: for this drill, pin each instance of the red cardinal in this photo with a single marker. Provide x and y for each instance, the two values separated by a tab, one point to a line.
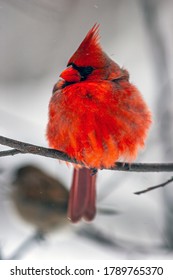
97	117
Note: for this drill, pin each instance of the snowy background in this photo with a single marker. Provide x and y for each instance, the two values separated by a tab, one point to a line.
37	39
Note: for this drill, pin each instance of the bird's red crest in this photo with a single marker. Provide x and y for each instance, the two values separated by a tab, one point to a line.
91	39
89	52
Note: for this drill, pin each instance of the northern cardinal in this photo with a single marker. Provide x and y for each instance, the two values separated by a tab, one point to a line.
97	117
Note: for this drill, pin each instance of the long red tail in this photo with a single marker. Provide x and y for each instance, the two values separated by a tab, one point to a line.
82	198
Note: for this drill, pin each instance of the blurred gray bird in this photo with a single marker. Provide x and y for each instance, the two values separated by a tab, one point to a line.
39	198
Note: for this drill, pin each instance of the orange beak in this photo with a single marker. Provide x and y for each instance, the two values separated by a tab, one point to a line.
70	75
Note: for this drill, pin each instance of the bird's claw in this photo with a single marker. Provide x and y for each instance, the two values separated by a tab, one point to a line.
93	171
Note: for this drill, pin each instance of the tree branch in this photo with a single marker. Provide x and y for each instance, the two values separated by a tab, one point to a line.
11	152
155	187
22	147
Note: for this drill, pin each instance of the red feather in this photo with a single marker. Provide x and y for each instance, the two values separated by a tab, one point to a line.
82	197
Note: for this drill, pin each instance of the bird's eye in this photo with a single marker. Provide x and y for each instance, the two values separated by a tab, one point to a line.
85	71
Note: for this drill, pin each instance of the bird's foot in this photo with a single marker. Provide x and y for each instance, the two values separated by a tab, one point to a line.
93	171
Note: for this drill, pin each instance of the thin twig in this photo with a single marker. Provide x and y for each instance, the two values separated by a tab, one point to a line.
11	152
38	236
23	147
155	187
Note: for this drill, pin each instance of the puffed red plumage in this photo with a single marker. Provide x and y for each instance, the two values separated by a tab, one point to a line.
95	115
